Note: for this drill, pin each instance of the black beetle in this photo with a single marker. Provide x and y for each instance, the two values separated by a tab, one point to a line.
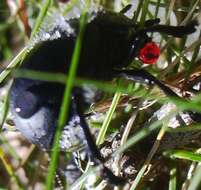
111	42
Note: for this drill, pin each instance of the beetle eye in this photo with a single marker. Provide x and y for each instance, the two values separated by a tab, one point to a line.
149	53
26	104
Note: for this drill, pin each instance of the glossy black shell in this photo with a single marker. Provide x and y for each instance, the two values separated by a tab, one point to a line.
109	43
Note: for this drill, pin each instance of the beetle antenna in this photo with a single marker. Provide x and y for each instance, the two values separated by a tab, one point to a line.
126	9
176	31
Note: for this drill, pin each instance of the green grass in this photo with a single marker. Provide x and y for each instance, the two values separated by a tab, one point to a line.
64	111
141	131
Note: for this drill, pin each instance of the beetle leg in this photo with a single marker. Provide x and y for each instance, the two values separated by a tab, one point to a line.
151	22
94	153
176	31
143	76
126	9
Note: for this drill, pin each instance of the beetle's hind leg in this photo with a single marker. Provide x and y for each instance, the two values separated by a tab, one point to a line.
93	151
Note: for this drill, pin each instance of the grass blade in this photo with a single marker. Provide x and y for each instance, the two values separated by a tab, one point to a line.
65	103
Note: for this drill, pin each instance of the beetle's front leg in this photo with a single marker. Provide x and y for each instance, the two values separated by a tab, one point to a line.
142	76
176	31
93	152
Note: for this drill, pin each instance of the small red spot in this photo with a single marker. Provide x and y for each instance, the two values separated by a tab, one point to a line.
149	54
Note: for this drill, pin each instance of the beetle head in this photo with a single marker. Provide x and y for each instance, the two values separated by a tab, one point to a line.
32	104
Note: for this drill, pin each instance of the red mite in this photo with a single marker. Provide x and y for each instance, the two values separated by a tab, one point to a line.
149	54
